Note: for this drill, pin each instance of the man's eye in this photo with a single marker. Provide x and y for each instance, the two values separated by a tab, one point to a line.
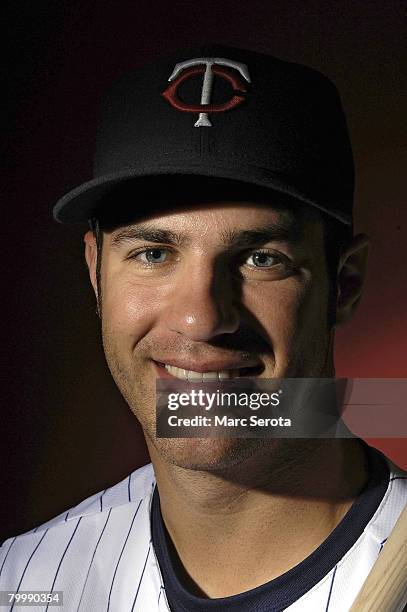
262	259
152	256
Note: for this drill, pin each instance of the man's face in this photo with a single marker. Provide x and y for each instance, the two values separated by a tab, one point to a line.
232	289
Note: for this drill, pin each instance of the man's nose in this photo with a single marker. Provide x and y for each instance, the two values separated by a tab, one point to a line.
203	305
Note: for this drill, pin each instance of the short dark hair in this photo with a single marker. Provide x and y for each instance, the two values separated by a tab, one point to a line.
117	208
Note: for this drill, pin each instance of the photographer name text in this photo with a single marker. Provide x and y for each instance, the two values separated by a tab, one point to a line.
225	421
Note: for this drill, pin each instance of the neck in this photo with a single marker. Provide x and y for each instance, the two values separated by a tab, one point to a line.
240	526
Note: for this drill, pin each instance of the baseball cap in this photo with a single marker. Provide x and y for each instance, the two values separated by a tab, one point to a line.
226	113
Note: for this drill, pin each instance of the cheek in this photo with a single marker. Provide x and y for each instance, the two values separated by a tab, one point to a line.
308	354
131	308
292	313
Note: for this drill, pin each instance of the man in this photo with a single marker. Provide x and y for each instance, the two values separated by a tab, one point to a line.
220	247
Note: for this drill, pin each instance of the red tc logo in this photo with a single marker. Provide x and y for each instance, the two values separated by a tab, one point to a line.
209	66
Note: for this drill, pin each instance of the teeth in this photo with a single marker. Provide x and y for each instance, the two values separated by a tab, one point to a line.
177	372
194	375
200	376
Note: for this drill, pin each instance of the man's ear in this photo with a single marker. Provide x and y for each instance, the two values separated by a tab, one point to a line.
351	275
91	258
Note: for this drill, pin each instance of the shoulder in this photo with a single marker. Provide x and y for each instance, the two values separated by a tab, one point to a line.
340	585
116	509
392	504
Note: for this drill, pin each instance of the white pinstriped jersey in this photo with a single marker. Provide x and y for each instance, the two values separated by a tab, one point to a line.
100	554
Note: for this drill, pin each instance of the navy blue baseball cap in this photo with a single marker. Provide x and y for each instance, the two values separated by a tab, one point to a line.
225	113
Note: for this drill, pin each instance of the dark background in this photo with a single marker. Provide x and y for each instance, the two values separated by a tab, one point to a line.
65	431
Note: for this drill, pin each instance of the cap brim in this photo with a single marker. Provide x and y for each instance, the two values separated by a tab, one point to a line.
81	204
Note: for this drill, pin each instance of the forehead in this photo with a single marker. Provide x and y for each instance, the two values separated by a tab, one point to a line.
213	215
182	200
230	223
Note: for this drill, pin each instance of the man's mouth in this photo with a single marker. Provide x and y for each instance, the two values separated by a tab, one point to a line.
171	371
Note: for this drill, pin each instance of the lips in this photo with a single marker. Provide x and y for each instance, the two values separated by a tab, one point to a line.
205	372
191	375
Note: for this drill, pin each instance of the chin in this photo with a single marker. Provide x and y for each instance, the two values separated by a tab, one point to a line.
206	454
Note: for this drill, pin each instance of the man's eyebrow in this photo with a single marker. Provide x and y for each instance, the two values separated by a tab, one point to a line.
278	232
282	231
148	234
